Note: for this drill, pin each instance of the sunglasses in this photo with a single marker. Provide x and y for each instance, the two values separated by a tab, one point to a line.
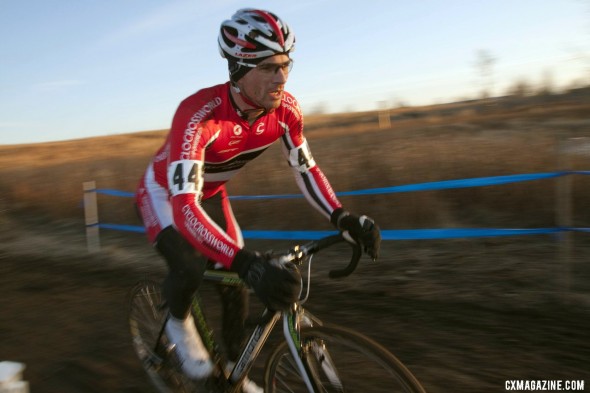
272	68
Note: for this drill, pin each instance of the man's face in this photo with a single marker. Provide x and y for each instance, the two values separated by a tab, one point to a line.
265	83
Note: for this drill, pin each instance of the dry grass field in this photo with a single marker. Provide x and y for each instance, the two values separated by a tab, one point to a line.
464	314
422	145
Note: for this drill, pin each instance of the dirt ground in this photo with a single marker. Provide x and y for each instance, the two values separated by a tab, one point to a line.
464	316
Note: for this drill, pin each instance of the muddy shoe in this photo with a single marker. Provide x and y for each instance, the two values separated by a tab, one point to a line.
191	352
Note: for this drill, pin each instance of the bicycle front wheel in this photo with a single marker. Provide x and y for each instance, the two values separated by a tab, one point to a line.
338	360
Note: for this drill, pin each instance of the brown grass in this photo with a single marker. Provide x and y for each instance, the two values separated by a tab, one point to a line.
423	144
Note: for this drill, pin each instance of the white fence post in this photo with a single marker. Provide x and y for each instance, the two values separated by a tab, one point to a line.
11	374
567	148
91	216
384	116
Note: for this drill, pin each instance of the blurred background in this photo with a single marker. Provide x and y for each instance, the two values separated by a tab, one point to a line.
394	94
74	70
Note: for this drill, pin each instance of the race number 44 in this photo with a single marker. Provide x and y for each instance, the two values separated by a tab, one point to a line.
185	177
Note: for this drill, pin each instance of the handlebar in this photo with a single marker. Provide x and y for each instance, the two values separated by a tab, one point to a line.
320	244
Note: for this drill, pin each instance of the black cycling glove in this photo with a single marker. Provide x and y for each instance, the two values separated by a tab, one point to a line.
362	229
276	283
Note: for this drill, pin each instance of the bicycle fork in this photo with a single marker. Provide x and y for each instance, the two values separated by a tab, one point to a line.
310	356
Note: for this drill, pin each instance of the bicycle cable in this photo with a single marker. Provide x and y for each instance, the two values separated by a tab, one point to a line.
308	289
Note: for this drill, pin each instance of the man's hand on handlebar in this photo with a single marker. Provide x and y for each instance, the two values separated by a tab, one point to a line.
275	281
362	229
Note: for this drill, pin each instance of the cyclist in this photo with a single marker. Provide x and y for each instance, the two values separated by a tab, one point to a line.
182	197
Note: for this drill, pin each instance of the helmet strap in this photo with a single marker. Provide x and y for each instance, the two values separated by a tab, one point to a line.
244	113
237	71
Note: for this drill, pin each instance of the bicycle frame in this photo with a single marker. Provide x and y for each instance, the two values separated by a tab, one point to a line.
291	331
292	321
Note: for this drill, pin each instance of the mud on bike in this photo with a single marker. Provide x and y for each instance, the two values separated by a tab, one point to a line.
313	357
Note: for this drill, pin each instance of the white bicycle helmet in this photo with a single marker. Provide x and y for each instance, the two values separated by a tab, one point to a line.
252	35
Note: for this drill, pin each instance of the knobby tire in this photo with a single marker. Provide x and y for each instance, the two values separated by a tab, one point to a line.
361	365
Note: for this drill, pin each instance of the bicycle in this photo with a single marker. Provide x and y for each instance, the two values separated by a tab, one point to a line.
313	357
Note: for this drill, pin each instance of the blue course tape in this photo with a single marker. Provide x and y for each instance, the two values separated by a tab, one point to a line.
410	234
127	228
438	185
392	234
108	191
455	233
402	234
461	183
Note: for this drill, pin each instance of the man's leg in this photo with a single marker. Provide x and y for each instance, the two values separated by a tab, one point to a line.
185	274
185	271
234	299
235	311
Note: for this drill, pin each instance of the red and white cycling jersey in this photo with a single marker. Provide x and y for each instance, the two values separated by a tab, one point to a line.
207	145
